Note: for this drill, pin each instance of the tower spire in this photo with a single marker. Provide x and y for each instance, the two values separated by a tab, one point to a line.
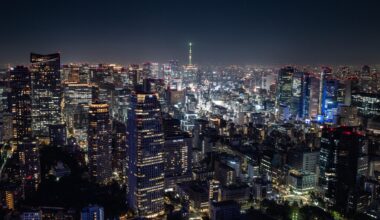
190	54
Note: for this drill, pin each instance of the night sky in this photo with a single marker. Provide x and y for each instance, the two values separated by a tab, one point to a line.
223	32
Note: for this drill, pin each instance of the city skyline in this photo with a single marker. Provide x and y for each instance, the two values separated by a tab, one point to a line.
223	32
190	110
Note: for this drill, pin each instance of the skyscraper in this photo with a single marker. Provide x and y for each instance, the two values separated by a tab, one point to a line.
46	92
100	143
146	155
119	150
285	86
343	162
332	94
21	110
299	88
177	151
312	97
293	91
21	102
368	104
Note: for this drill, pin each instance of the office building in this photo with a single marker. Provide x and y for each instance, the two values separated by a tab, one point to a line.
343	163
119	150
46	93
368	104
332	95
177	152
100	143
146	155
285	86
21	110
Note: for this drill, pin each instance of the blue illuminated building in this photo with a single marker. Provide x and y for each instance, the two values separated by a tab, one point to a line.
330	100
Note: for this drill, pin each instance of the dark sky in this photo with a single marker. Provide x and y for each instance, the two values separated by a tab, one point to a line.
223	32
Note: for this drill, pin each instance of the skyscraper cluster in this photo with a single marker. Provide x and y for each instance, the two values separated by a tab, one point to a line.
165	140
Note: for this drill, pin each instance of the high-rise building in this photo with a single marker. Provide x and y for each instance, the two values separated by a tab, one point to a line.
147	70
29	159
332	94
177	151
304	159
285	86
3	108
146	155
46	92
135	75
174	66
119	150
343	163
100	143
368	104
21	103
312	108
21	110
347	116
295	92
77	98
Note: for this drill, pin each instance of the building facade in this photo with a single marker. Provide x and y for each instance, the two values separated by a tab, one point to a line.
146	155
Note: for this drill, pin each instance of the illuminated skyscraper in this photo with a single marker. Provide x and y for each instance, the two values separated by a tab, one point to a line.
332	94
46	92
146	155
21	103
100	143
75	95
299	94
292	93
21	109
312	97
285	86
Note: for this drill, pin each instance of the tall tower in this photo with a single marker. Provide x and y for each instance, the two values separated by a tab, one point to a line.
330	94
190	54
46	92
100	143
284	85
343	163
21	108
21	103
146	155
